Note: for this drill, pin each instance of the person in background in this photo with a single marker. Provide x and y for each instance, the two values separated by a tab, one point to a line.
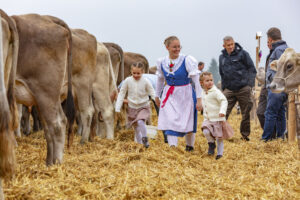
201	66
262	103
237	73
214	109
275	111
139	89
178	110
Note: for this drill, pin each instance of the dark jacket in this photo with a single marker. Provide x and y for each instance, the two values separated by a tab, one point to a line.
237	69
277	50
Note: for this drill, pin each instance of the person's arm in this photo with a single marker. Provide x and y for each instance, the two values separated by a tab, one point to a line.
121	96
192	68
251	69
159	83
271	73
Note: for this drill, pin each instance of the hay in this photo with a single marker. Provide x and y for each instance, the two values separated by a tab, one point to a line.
121	169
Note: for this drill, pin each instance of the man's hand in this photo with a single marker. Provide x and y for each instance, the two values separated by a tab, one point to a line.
221	115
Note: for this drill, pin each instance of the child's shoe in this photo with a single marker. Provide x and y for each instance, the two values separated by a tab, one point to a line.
211	148
218	157
189	148
145	142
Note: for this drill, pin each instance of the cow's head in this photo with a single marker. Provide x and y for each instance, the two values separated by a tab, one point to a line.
287	77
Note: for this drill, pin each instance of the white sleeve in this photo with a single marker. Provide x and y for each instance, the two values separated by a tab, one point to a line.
191	65
160	79
150	89
121	96
224	103
198	87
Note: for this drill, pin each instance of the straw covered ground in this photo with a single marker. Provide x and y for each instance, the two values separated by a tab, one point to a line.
121	169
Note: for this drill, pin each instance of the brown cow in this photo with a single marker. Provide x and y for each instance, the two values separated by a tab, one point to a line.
44	62
102	90
9	43
117	60
130	58
84	55
287	77
152	70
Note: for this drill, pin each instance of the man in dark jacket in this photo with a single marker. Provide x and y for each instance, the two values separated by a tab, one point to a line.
238	77
275	111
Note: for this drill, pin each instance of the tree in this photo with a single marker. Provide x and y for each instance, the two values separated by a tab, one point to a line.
214	69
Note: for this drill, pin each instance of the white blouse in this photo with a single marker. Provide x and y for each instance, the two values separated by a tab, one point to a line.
191	66
138	93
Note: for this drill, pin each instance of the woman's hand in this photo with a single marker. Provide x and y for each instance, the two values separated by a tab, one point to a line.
199	104
157	101
125	101
221	115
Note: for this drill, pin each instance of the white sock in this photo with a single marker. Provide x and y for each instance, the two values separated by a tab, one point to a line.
220	146
137	136
208	136
172	140
190	139
142	128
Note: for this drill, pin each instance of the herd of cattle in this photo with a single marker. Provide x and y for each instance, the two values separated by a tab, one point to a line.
63	73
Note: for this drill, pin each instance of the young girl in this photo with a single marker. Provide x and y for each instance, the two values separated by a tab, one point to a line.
214	110
177	113
139	89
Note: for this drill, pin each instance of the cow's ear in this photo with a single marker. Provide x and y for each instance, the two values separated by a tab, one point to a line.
298	59
273	65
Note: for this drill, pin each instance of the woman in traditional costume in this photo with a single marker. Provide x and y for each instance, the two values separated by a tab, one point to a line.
180	102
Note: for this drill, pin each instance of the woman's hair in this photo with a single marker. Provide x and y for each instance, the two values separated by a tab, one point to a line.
169	39
138	65
204	74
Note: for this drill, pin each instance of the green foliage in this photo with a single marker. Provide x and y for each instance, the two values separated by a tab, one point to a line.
214	69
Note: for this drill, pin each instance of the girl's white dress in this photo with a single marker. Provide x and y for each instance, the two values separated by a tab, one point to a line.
177	114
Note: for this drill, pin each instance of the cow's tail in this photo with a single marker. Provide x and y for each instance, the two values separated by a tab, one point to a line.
7	155
69	106
12	76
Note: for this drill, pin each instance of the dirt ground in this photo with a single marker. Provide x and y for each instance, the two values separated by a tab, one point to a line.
122	169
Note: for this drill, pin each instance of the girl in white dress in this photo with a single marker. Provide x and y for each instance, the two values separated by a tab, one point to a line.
214	111
139	89
178	109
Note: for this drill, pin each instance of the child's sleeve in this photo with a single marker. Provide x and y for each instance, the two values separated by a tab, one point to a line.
121	95
224	103
150	89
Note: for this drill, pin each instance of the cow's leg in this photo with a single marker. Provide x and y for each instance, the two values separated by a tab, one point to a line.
36	121
26	120
1	191
18	131
54	123
103	103
79	124
86	111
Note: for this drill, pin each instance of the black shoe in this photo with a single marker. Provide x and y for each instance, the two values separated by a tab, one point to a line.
211	148
218	157
145	142
189	148
245	138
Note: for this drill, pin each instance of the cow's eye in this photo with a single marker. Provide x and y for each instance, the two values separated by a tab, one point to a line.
289	67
